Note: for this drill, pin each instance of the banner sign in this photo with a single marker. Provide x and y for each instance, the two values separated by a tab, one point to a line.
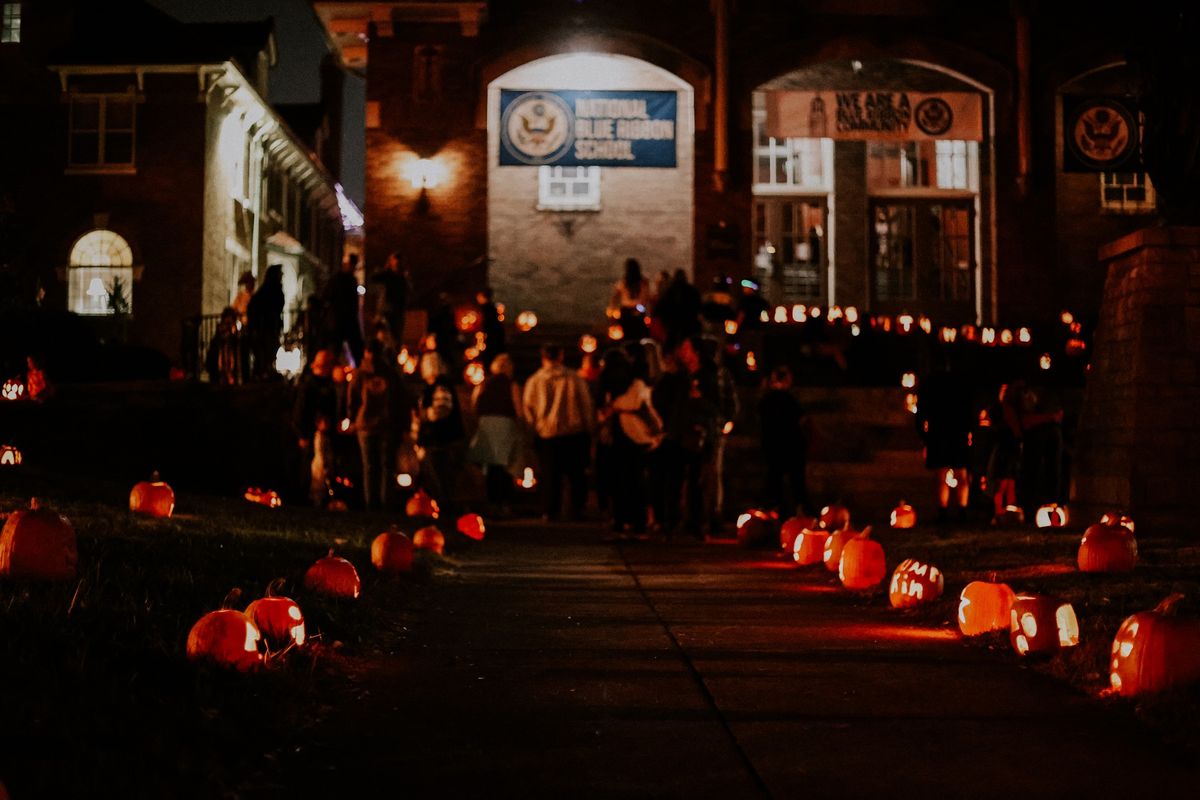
875	115
1100	134
587	128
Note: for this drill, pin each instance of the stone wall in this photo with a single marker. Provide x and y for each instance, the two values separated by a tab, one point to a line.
1139	431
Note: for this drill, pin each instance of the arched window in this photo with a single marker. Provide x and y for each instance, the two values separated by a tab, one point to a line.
100	274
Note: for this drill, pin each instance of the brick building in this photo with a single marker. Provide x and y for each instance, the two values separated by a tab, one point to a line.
148	170
888	206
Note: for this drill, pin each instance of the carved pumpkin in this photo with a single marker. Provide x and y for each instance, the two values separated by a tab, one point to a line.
1155	650
756	527
1012	516
1042	625
225	638
10	456
526	321
421	505
263	497
279	619
904	516
527	480
153	498
984	607
810	547
1051	516
430	538
862	565
835	517
1117	518
792	529
38	543
13	389
471	526
333	576
832	554
392	552
915	583
1107	548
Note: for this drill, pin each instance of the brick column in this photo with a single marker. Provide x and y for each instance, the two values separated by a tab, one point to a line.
1139	430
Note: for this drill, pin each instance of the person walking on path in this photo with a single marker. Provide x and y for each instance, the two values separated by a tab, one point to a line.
314	417
372	405
558	406
265	321
785	441
497	404
631	300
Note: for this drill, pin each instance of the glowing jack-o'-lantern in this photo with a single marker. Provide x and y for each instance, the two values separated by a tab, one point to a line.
832	554
983	607
430	538
908	380
227	639
809	547
792	528
421	505
756	527
1012	515
526	321
527	479
153	498
834	518
10	456
468	319
862	565
1155	650
587	343
915	583
1042	625
333	576
475	373
1075	347
404	480
1051	516
263	497
1107	548
1117	518
471	526
12	389
616	333
278	618
38	543
392	552
904	516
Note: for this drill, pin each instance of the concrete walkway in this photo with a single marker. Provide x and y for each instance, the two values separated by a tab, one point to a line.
553	664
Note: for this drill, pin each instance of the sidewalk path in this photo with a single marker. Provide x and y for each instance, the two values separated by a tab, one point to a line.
553	664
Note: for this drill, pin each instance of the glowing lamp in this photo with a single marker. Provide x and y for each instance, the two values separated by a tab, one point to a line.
587	343
1042	625
96	288
10	456
908	380
616	333
423	173
1051	515
526	321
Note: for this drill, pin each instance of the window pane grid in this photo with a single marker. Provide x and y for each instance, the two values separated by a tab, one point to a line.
101	262
568	188
10	23
1126	192
102	130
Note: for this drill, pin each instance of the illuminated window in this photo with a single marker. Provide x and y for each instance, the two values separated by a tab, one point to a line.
10	23
796	164
568	188
101	131
100	273
1126	192
941	164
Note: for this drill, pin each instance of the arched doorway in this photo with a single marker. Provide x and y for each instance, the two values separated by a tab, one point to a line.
870	188
566	207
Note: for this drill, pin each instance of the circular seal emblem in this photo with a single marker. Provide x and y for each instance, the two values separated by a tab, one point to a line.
934	116
537	128
1101	134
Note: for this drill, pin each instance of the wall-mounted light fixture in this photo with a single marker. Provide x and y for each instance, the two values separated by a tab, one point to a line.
424	173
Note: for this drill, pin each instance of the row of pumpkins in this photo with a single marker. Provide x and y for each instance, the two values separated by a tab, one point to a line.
1152	651
40	544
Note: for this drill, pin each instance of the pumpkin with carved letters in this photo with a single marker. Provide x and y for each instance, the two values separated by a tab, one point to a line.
915	583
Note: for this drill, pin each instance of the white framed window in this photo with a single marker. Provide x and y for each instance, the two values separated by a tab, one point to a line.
947	164
568	188
1126	192
101	132
793	164
100	275
10	23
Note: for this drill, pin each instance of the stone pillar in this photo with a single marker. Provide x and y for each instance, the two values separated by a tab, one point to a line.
1139	430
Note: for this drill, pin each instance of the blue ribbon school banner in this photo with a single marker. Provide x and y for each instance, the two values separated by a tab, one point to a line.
587	128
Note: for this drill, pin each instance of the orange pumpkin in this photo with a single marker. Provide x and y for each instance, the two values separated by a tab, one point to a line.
810	547
792	528
430	538
392	552
904	516
333	576
225	638
983	607
1051	516
915	583
1107	548
39	544
862	565
835	517
10	455
1042	625
832	554
421	505
279	619
1155	650
1117	518
263	497
755	527
471	526
153	498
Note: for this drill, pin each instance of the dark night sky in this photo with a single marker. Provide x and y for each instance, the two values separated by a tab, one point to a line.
296	77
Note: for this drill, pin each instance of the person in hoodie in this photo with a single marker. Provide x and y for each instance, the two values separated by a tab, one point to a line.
558	406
